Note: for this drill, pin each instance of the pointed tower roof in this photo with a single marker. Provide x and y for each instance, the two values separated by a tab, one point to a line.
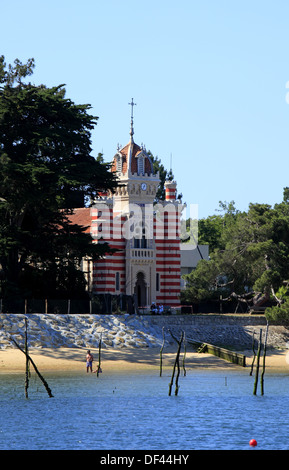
126	159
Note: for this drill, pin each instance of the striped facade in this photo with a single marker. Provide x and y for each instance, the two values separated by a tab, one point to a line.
147	260
157	261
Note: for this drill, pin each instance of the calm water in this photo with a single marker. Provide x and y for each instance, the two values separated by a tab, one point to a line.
214	410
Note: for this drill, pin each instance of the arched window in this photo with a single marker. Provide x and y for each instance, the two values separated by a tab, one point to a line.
141	165
144	240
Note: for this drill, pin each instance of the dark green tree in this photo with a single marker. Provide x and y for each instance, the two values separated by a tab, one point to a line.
163	174
250	262
210	232
46	169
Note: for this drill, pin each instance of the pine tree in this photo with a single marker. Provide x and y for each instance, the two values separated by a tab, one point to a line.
46	168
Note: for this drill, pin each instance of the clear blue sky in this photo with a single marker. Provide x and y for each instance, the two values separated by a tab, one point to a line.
209	79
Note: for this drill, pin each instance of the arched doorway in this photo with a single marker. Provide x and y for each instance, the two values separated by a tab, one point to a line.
140	290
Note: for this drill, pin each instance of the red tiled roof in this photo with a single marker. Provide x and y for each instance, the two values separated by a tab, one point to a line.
135	151
81	216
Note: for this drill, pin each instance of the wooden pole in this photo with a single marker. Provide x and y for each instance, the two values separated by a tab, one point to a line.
161	353
172	379
27	362
254	353
184	357
35	368
176	364
264	355
257	365
99	357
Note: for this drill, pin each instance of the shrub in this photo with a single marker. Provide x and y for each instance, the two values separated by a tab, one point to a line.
278	314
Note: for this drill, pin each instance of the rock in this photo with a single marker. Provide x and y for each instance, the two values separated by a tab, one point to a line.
119	339
84	331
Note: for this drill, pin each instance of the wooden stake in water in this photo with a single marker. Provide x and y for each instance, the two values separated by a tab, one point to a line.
99	356
27	362
161	354
264	356
254	353
184	356
257	365
176	364
35	368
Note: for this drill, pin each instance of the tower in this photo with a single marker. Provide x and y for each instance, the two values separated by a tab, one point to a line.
146	264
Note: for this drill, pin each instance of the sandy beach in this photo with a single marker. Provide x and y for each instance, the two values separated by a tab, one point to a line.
128	359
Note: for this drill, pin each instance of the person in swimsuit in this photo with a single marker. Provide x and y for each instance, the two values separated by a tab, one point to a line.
89	361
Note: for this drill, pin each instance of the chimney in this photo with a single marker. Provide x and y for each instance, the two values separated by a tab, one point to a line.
171	190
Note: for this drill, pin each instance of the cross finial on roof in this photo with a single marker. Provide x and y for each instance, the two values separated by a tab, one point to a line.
132	104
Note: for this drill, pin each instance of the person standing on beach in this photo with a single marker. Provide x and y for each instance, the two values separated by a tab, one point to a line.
89	361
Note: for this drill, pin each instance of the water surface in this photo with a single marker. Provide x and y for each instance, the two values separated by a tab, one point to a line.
214	410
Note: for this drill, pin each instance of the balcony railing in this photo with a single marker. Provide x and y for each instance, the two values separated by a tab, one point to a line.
141	253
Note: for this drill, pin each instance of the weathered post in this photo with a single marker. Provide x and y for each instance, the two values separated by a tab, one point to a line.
176	364
161	353
35	368
254	353
264	356
184	356
257	365
27	361
99	356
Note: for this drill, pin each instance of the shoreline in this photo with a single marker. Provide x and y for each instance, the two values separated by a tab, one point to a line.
63	359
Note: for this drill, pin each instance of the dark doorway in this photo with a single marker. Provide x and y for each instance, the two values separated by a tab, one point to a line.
140	290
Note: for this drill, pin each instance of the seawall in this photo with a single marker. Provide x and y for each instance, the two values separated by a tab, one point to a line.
136	331
226	330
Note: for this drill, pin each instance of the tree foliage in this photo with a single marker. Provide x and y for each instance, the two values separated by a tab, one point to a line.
249	255
164	176
279	313
46	169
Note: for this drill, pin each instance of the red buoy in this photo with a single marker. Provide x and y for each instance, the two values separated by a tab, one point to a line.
253	442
